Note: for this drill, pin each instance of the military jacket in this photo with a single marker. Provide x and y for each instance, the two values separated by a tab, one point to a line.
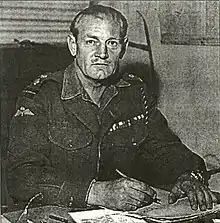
60	140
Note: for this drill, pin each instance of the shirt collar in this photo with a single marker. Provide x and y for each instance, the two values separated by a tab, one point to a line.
72	86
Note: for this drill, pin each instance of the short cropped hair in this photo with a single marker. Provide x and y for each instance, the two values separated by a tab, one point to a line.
102	12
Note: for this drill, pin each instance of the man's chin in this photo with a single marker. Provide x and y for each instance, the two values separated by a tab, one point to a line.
100	76
100	79
104	80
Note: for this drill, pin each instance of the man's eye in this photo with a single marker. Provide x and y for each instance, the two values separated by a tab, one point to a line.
113	43
90	42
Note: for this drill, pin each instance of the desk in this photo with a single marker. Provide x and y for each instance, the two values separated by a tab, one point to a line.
41	215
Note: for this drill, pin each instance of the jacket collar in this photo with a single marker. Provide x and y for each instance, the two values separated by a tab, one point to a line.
72	86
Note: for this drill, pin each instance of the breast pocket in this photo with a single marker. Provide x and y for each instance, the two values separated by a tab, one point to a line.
131	132
69	135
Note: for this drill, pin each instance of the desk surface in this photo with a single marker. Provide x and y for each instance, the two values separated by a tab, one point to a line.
41	215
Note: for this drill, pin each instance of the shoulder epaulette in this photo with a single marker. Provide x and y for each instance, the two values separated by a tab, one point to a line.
132	78
33	88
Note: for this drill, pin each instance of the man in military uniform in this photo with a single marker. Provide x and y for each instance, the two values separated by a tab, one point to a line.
89	136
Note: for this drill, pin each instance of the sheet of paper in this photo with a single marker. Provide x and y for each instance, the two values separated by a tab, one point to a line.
105	216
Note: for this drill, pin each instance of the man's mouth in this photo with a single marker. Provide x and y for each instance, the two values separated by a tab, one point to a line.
100	64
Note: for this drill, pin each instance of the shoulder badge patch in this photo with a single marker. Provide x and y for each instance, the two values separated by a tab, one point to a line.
22	111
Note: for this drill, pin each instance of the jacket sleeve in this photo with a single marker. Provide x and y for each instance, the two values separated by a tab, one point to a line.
29	169
162	158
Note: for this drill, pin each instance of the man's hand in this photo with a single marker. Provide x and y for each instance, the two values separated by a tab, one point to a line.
198	193
121	194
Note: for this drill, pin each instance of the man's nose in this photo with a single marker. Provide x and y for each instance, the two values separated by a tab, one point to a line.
102	51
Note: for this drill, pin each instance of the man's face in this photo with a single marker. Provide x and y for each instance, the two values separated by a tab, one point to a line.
98	47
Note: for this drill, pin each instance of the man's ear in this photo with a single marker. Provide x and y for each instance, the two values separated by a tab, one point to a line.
124	48
71	40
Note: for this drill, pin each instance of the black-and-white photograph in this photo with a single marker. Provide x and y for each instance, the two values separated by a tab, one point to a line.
110	111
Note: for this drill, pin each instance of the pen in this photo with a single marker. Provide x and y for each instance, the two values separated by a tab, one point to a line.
58	218
155	200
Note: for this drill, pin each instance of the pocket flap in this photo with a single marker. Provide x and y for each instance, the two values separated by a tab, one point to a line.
69	135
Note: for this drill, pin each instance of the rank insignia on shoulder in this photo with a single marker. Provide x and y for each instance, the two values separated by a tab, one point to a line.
22	111
29	92
126	123
40	79
37	81
33	88
132	77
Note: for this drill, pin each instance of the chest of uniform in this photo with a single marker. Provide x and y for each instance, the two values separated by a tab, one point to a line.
128	131
123	122
130	125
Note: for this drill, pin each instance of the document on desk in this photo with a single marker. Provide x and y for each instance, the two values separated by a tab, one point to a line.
164	212
105	216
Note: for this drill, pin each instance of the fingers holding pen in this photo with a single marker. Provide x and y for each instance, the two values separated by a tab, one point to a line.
147	200
147	190
138	199
121	194
148	196
141	187
140	192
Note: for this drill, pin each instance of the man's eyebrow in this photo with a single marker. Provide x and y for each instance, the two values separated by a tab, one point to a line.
113	38
91	36
95	37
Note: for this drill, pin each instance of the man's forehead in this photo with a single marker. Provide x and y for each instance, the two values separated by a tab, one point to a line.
92	24
103	17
